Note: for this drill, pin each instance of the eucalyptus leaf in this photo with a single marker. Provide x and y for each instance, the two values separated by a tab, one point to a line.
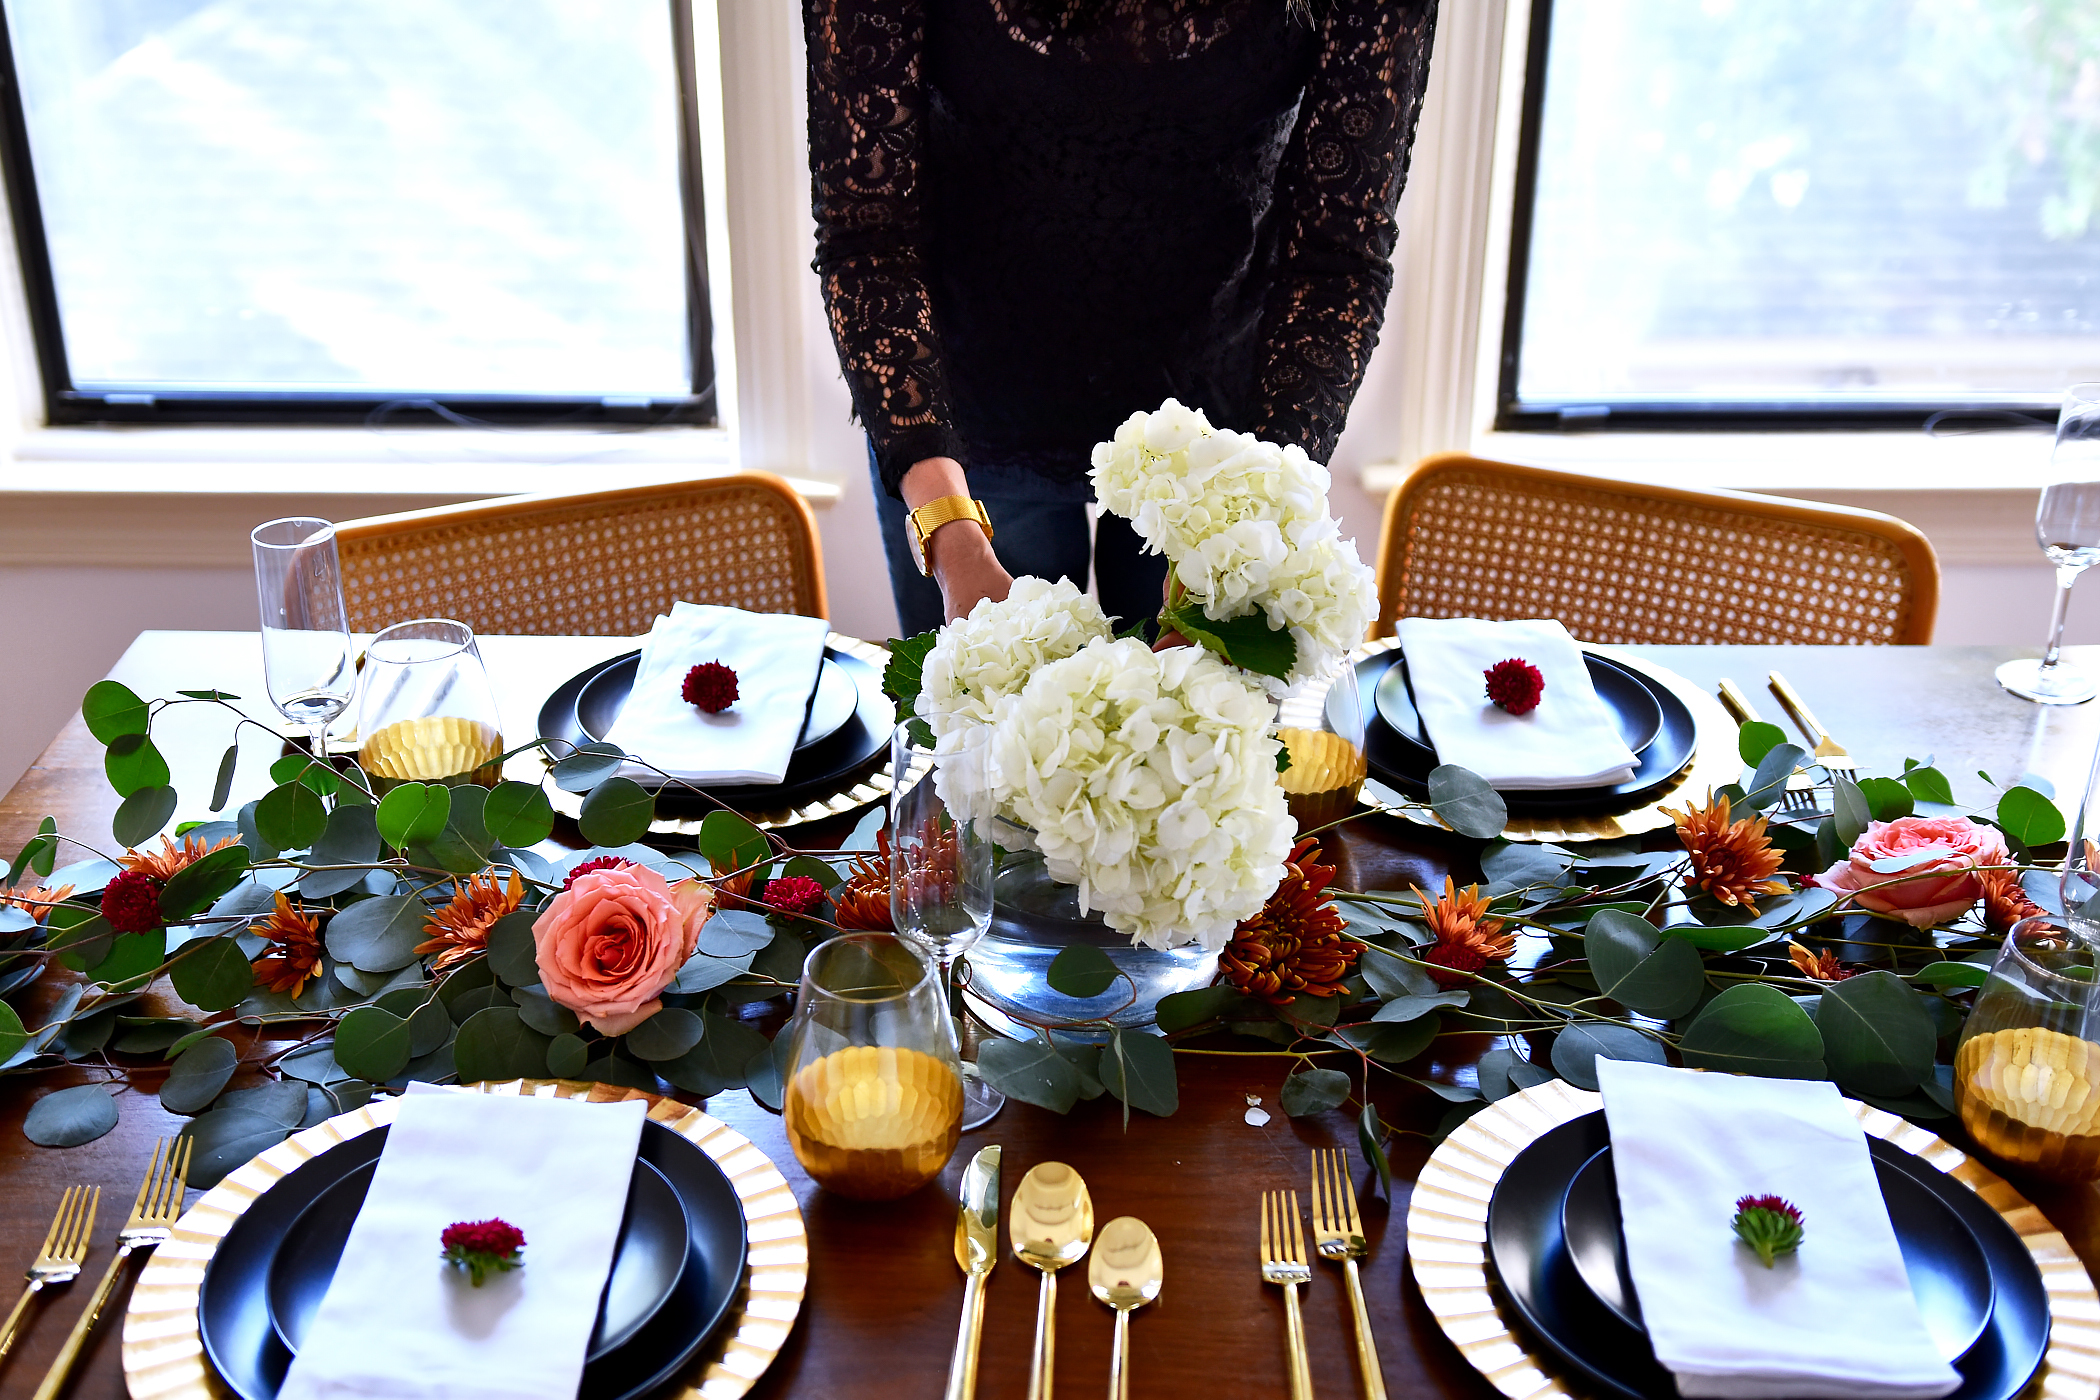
112	711
350	840
733	932
1463	801
1756	739
1081	971
1392	978
222	787
1757	1029
13	1036
290	817
767	1073
616	811
378	935
39	851
1512	866
1371	1138
518	814
1877	1038
225	1139
668	1034
1180	1010
1849	809
216	976
721	1060
730	842
198	1074
2029	817
1408	1008
1641	970
429	1028
1768	782
140	816
1030	1071
314	1066
1311	1091
513	955
70	1117
589	766
133	961
567	1056
1887	799
1577	1049
372	1044
284	1102
1929	784
413	812
540	1012
703	972
199	885
132	762
1953	974
496	1044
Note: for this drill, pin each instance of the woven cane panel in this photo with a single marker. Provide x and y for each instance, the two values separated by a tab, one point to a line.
1615	566
595	569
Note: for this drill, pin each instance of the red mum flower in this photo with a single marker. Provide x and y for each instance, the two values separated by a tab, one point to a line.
1515	685
1770	1225
482	1247
794	895
131	902
711	686
600	863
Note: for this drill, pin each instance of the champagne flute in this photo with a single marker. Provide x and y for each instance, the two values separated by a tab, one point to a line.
940	888
307	659
2068	525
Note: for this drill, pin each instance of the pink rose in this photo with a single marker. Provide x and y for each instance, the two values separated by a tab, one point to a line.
609	944
1941	885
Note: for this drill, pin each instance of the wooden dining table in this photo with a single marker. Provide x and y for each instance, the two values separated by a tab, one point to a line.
884	1291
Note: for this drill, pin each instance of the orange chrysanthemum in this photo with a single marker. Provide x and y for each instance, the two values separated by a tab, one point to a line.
862	899
33	900
2005	900
1467	937
294	955
1817	967
1297	942
1731	860
163	863
461	929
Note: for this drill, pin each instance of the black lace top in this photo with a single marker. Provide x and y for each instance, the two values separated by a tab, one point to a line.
1035	217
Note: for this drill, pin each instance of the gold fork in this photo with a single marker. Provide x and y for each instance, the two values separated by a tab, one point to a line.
1338	1233
1829	752
1283	1262
64	1247
1800	795
153	1215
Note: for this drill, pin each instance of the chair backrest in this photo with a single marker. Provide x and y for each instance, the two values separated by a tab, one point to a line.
595	563
1619	562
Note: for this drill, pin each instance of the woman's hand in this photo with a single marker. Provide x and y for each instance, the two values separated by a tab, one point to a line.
959	553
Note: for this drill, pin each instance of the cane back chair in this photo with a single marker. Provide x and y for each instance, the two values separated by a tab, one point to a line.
1620	562
596	563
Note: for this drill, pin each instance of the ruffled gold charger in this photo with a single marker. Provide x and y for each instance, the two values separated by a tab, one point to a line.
1447	1244
164	1354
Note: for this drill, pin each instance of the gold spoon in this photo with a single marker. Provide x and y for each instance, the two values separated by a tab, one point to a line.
1124	1273
1051	1225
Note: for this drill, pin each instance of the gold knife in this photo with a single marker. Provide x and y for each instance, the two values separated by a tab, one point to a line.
976	1250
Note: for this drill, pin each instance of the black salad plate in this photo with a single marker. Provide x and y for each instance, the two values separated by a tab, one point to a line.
831	703
648	1259
1535	1267
1399	753
816	772
233	1313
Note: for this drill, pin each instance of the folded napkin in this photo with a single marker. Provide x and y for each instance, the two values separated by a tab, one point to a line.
775	656
398	1322
1569	741
1834	1319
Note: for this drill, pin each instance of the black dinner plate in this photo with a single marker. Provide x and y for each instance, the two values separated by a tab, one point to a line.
1948	1273
814	773
1532	1264
648	1258
831	703
1625	692
1404	760
233	1315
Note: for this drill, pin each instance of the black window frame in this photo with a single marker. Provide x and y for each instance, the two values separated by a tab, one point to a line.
66	404
1676	414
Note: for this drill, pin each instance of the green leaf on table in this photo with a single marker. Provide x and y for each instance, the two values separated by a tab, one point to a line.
1031	1071
567	1055
228	1138
414	812
730	842
290	817
1139	1069
734	932
2030	818
810	868
1849	809
513	955
518	814
141	1035
1877	1038
1756	739
70	1117
721	1061
284	1102
703	972
1757	1029
1180	1010
1463	801
132	961
904	676
1503	1072
1887	799
378	935
356	789
316	1066
543	1015
1403	1009
429	1028
1929	784
132	762
463	846
305	768
1081	971
208	694
214	975
1311	1091
616	811
1768	783
41	849
140	816
1247	641
197	886
198	1074
1639	968
668	1034
373	1044
1953	974
766	1074
589	766
113	711
351	841
1370	1137
496	1044
1577	1049
1512	866
1391	977
13	1035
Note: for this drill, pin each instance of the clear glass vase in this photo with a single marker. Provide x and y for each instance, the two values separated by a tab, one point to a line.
2027	1070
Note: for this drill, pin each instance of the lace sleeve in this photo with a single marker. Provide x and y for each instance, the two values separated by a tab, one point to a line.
866	114
1338	190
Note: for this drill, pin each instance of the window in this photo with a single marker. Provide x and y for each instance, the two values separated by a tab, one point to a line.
1734	213
421	210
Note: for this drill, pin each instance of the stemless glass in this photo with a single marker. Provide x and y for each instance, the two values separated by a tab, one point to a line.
1327	763
307	660
940	887
2027	1071
428	714
2068	525
2081	878
874	1098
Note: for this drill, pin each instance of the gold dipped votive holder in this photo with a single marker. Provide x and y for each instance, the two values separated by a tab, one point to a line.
2031	1098
874	1121
434	749
1326	773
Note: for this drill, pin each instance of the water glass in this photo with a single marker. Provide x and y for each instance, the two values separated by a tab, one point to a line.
2067	523
2027	1070
308	665
1327	753
874	1097
428	714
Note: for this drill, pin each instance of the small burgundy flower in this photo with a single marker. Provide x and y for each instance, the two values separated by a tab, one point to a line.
131	902
1771	1225
1515	685
711	686
600	863
482	1247
1453	964
794	894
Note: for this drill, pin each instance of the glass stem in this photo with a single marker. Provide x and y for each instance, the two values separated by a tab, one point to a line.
320	740
2065	578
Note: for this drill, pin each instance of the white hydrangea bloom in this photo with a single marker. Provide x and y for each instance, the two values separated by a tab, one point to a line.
1149	780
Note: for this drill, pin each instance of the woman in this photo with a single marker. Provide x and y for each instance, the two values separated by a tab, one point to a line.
1035	217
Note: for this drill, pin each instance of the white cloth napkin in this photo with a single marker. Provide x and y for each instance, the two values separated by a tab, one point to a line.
1569	741
1834	1319
398	1322
775	656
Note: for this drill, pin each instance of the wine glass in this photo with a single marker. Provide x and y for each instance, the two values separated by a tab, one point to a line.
428	714
307	658
874	1100
940	887
2027	1070
1321	724
2068	525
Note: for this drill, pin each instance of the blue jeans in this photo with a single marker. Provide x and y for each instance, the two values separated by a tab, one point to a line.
1045	538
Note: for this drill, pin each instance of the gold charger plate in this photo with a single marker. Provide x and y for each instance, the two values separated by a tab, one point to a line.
164	1355
1447	1244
